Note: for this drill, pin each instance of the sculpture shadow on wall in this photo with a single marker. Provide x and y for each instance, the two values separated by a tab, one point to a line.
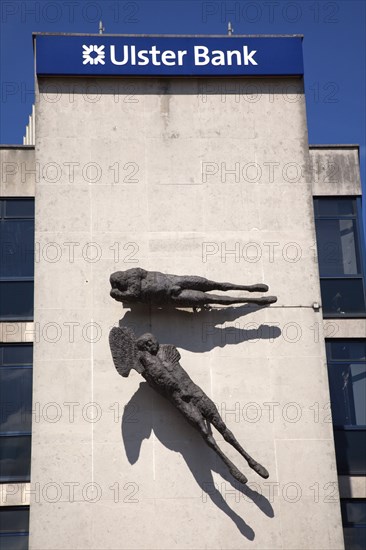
148	412
199	331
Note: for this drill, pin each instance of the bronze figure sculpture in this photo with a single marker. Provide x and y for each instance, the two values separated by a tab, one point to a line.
137	285
159	365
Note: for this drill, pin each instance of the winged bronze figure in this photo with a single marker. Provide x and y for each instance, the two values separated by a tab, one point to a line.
159	365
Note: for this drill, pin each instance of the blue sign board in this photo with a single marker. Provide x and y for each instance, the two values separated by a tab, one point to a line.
106	55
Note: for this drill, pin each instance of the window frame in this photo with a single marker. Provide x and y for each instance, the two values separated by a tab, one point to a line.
16	433
24	533
350	527
16	279
337	428
344	502
359	244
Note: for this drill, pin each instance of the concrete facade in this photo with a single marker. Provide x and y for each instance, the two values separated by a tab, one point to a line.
18	171
336	170
183	176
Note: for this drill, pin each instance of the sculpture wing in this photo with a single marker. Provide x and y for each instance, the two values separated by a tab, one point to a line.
169	353
122	342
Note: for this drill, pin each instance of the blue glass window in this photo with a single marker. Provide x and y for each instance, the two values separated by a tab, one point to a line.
14	527
15	411
19	208
340	255
15	399
16	258
347	383
15	454
354	523
16	300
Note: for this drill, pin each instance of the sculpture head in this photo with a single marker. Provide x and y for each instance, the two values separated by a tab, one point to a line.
119	283
148	342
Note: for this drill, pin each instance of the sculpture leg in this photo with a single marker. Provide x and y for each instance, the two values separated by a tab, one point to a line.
232	468
209	411
230	438
195	418
205	285
226	300
195	298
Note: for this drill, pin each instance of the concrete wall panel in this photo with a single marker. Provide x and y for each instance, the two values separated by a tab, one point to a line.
170	203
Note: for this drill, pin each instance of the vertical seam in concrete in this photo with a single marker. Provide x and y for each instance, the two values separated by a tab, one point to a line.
92	339
92	346
278	481
146	184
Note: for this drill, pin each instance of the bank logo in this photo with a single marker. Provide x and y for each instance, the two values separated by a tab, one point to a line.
93	54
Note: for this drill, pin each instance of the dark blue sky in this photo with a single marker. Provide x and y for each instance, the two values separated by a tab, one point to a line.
334	49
